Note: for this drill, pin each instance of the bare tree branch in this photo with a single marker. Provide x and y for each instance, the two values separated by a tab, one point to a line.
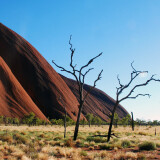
134	74
140	95
121	86
86	74
62	68
90	61
72	53
133	67
98	78
139	85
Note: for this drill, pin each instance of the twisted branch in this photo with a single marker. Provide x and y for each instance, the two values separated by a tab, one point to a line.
134	75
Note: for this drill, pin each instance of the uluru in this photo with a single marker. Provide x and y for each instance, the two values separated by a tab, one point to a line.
40	85
15	102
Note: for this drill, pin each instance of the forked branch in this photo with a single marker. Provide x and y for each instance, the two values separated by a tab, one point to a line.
91	88
137	86
134	75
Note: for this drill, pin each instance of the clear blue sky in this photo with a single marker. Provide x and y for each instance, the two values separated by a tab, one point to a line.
124	30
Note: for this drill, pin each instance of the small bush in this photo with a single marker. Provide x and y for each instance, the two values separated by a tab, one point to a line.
125	143
58	138
96	139
141	156
6	138
126	155
92	143
142	133
128	134
69	143
115	139
79	143
147	146
105	146
21	139
86	144
158	144
91	148
83	153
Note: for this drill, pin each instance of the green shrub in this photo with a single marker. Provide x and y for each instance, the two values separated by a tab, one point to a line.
16	121
21	139
147	146
58	138
6	138
105	146
125	143
141	157
96	139
115	139
128	134
1	119
79	143
83	153
92	143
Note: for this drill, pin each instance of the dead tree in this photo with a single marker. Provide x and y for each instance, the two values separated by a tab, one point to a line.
121	88
79	76
132	121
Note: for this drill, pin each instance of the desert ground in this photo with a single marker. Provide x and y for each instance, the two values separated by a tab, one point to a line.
47	143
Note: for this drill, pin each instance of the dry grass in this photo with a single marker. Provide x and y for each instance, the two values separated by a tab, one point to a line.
47	143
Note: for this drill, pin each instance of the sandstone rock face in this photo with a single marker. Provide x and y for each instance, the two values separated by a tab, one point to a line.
42	83
29	83
98	103
14	100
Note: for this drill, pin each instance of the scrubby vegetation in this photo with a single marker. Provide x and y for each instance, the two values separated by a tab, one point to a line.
31	120
147	146
33	138
47	142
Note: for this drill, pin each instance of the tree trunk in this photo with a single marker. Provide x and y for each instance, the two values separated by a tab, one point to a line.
132	122
77	122
65	123
111	122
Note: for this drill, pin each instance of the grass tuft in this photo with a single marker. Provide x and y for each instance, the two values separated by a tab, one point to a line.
147	146
125	144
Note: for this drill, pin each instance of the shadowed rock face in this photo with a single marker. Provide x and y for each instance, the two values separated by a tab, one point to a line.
42	83
98	103
14	100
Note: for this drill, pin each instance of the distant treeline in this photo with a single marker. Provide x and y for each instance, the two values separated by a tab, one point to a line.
31	120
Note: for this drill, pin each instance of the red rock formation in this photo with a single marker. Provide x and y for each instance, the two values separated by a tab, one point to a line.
42	83
14	101
98	103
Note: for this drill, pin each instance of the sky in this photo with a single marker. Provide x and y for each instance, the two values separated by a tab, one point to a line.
124	30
